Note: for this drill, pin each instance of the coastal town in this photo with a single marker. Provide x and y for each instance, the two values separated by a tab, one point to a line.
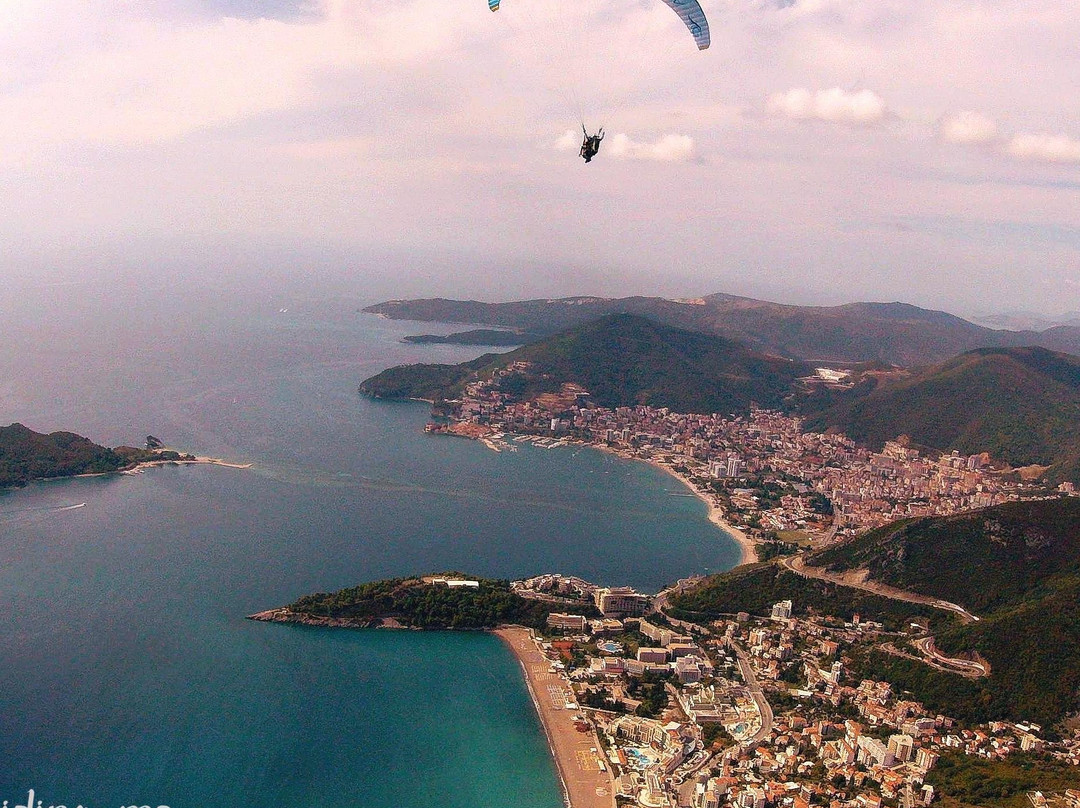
763	475
748	711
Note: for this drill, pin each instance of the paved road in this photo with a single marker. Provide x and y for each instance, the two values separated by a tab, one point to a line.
968	667
798	565
759	698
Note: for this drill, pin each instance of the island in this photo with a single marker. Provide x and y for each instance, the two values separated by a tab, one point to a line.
27	456
477	336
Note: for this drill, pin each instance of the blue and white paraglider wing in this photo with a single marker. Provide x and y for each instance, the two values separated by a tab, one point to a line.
690	13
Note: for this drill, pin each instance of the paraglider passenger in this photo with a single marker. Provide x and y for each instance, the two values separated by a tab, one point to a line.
591	144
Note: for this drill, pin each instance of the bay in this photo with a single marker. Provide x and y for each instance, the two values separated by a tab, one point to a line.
130	673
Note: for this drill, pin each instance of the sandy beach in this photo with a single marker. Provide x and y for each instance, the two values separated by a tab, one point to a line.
203	461
716	513
716	516
576	753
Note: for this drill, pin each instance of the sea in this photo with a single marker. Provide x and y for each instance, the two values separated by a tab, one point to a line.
130	675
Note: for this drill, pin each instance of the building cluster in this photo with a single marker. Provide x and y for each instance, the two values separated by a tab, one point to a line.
835	739
685	715
792	470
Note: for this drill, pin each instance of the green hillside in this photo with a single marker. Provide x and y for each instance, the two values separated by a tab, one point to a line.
984	560
755	588
622	360
1021	405
27	455
418	604
1017	566
476	336
427	382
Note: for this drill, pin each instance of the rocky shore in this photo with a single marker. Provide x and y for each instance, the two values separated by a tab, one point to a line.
285	615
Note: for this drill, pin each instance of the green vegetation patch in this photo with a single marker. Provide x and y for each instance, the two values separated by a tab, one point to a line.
477	336
754	589
418	604
964	781
429	382
26	455
1034	653
984	560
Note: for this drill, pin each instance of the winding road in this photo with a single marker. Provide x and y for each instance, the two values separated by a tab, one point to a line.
797	565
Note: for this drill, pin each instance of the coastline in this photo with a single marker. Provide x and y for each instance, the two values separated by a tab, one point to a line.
716	516
575	753
747	548
137	468
205	461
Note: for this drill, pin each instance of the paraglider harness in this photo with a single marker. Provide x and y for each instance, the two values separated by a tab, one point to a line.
591	144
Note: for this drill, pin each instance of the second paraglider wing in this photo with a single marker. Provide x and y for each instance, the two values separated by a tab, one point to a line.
690	13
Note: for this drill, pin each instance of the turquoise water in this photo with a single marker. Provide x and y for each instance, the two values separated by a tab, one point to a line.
130	673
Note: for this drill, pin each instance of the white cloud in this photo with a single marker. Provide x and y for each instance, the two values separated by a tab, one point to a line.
834	105
569	141
154	80
667	149
968	128
1044	148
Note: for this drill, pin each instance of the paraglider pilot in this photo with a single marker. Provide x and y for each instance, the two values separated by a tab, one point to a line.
591	144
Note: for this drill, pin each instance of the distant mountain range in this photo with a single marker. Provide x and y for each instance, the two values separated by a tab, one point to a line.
897	333
1021	405
1017	566
1026	320
622	360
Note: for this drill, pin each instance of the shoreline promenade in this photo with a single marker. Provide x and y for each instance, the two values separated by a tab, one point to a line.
584	784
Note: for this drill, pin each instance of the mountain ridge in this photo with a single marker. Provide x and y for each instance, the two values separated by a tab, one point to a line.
1021	405
1018	566
898	333
622	360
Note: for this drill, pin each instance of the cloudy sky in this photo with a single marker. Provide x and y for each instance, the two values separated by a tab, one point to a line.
819	151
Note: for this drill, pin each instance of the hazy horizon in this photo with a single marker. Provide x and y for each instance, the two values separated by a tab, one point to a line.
820	152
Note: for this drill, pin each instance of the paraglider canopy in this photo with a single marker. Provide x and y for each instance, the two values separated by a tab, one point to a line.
689	12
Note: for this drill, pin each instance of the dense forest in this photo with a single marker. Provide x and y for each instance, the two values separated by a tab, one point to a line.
418	604
26	455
